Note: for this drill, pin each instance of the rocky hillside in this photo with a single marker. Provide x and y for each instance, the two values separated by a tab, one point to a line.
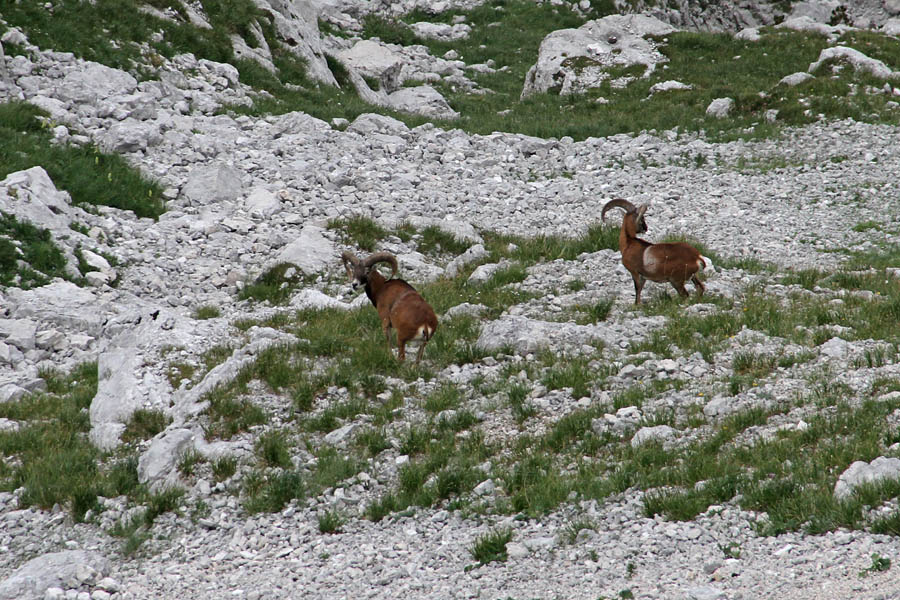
195	403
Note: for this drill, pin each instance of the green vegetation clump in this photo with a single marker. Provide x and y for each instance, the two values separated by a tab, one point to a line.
144	424
28	256
491	546
51	459
90	176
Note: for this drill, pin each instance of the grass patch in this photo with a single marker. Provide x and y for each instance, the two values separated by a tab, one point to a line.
435	240
90	176
144	424
228	416
517	396
188	461
446	397
29	257
54	461
597	312
362	232
272	449
442	466
270	492
207	312
572	373
331	521
546	248
275	286
491	546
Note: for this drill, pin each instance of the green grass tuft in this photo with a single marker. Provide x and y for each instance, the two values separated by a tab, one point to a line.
491	546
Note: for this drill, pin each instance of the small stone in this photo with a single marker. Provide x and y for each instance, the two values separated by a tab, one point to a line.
54	593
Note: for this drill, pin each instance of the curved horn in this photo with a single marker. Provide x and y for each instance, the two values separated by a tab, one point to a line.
617	203
350	261
381	257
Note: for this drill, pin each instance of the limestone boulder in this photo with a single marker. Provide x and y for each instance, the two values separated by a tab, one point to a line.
93	83
157	465
311	252
861	472
422	100
213	184
69	569
720	108
371	58
856	59
296	24
575	60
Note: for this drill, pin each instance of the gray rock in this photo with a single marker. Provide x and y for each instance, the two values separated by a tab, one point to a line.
212	184
705	592
296	22
117	396
573	60
67	569
472	254
661	433
131	135
808	24
515	550
368	123
541	543
21	333
835	348
371	58
484	488
4	72
422	100
631	371
748	34
474	310
441	31
668	86
11	392
260	52
192	401
31	196
795	79
92	83
856	59
861	472
483	273
623	422
157	465
820	11
340	435
311	252
261	203
720	108
312	298
64	304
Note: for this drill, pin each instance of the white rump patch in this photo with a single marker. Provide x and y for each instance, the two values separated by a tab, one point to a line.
650	261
